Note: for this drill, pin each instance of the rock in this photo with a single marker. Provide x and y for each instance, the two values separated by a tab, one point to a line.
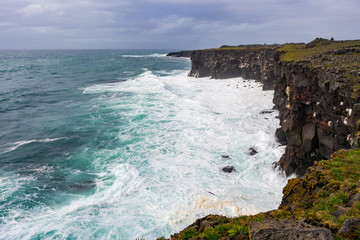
186	54
349	228
357	107
318	41
266	111
225	156
250	63
252	151
229	169
287	229
281	137
204	225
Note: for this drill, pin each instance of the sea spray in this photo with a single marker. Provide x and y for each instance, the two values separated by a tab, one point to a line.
129	148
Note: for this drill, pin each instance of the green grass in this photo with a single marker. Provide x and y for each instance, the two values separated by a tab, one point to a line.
299	52
188	234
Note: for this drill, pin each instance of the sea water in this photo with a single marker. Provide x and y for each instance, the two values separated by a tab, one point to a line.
121	144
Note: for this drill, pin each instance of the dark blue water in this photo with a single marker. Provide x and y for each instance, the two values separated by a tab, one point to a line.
121	144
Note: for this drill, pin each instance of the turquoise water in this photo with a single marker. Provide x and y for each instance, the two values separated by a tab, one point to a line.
122	144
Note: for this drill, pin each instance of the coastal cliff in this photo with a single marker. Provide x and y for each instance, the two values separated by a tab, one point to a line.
248	62
317	92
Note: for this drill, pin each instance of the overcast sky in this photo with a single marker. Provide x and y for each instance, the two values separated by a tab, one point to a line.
172	24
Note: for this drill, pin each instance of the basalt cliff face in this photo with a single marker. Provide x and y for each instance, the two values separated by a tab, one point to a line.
257	64
317	114
317	102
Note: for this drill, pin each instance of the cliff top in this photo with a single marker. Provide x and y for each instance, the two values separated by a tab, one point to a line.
339	57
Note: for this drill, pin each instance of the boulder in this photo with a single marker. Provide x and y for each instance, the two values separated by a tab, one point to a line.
229	169
287	229
252	151
349	228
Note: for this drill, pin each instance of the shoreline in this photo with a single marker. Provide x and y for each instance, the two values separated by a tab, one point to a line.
317	95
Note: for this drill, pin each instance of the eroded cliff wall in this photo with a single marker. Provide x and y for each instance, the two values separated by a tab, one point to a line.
316	115
316	97
257	64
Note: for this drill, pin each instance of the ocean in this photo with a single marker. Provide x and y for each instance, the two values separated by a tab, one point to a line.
121	144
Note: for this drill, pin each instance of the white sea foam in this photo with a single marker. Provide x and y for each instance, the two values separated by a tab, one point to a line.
18	144
166	171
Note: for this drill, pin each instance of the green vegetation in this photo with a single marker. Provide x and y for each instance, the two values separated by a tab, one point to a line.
326	196
188	234
300	52
339	57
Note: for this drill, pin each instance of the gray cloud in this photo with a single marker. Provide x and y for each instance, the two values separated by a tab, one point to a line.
186	24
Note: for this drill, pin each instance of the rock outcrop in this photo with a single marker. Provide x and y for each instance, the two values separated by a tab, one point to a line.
287	229
248	63
185	54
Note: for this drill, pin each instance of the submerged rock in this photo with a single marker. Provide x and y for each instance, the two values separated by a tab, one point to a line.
229	169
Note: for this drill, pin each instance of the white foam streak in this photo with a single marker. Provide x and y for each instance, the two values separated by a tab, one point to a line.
21	143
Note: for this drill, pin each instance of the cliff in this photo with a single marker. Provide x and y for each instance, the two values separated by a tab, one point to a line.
249	62
185	54
316	92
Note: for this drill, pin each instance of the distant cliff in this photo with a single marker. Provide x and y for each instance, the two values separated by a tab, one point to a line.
186	54
249	63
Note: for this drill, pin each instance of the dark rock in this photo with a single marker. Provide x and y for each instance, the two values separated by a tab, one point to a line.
318	41
357	107
266	111
349	228
225	156
281	137
255	63
229	169
186	54
287	229
204	225
252	151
